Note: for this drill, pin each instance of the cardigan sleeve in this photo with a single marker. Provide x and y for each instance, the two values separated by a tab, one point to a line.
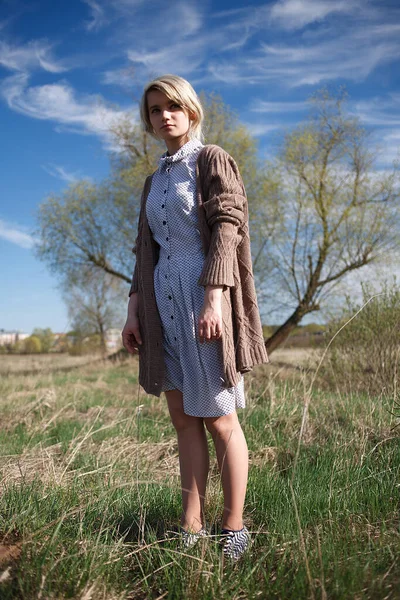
134	283
224	206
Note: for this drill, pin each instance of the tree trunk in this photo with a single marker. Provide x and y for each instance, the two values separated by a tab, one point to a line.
284	330
103	344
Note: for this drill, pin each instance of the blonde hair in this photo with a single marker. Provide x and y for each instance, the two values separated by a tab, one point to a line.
180	91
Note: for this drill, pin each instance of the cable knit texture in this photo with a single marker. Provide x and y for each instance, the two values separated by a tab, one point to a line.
223	225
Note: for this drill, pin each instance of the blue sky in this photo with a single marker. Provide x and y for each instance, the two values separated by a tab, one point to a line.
69	68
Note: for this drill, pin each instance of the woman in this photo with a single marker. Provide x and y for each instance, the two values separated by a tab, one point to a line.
193	310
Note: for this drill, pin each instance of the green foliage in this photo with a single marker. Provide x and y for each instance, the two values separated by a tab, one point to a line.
366	353
32	345
81	344
46	338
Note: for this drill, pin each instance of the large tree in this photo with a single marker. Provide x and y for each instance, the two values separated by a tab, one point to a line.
337	214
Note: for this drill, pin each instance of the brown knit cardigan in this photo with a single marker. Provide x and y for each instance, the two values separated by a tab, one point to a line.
223	225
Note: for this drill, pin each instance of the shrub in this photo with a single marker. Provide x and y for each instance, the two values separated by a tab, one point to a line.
32	345
365	355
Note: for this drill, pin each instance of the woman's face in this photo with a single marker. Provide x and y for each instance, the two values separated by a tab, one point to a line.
169	120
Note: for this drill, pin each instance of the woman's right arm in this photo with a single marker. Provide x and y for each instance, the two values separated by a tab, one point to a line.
131	337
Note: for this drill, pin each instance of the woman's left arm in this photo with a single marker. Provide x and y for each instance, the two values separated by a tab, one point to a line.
225	207
225	210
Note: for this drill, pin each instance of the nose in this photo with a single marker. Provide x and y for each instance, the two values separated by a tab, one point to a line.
166	115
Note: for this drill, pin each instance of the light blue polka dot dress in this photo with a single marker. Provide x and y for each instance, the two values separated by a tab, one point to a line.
193	368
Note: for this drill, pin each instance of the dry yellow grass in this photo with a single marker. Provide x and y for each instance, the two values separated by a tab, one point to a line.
16	363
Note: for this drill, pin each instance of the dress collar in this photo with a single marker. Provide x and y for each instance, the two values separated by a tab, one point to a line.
183	152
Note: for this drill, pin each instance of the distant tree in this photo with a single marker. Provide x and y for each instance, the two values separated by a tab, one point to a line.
32	345
46	338
96	302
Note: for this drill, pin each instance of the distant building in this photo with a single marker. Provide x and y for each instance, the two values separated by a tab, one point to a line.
113	339
11	337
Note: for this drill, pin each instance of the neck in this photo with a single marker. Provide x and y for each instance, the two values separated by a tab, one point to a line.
174	145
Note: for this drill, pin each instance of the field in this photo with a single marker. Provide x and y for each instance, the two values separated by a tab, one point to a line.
33	363
90	488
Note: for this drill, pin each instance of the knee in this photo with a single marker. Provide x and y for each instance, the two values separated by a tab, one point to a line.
222	427
182	421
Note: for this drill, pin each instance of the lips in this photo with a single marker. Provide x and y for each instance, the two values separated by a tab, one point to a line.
167	126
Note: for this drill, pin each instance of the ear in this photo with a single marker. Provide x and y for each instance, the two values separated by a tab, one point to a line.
192	116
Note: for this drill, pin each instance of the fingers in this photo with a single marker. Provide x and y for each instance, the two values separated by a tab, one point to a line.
129	344
131	339
208	332
138	337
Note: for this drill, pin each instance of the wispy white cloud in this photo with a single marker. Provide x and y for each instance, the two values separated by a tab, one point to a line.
272	111
261	129
126	7
295	14
173	39
381	113
184	57
223	14
379	110
124	77
97	14
60	172
261	106
349	40
86	114
15	234
28	56
190	18
352	55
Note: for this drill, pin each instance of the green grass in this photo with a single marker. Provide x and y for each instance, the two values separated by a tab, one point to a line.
90	487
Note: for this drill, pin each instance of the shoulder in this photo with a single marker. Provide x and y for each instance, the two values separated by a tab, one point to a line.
212	151
214	162
215	158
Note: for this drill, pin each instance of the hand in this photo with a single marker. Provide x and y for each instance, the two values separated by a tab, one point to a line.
210	319
131	337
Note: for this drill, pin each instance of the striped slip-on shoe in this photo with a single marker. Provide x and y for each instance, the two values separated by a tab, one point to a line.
190	538
187	538
235	542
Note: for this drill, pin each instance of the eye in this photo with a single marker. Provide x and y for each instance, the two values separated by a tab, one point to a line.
154	110
175	105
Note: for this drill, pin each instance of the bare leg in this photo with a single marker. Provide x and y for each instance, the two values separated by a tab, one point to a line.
231	448
193	461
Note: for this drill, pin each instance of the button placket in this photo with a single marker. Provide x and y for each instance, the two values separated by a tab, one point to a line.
167	239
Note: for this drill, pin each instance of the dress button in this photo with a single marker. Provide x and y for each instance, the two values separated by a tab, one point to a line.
168	257
167	239
164	222
165	191
162	205
172	316
169	297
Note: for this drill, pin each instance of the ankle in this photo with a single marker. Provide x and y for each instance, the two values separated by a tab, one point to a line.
191	525
233	525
